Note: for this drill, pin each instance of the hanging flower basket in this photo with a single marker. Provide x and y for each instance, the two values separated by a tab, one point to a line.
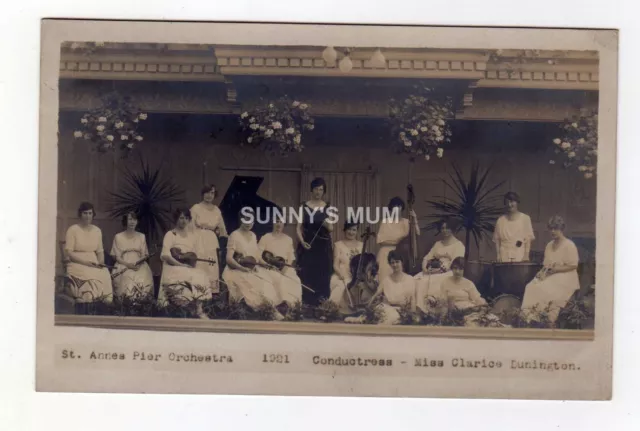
577	145
277	126
420	123
112	125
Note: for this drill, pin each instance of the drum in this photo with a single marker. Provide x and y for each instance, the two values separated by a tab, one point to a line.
512	278
505	307
481	274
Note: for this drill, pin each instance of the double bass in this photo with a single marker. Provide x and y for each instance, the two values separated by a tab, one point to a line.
364	269
409	245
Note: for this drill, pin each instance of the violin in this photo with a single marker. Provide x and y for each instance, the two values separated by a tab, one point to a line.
138	262
188	258
435	265
277	261
249	262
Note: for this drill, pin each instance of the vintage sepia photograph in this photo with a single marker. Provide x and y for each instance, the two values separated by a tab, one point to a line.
346	187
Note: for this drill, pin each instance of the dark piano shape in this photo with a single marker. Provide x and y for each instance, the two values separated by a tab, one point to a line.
243	192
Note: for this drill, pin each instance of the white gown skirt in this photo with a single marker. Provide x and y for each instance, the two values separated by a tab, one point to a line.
288	286
255	287
176	281
556	290
92	283
428	286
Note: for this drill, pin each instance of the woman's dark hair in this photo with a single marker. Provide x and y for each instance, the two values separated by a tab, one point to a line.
556	222
181	211
395	255
452	223
207	188
86	206
396	202
317	182
125	218
511	196
349	224
458	263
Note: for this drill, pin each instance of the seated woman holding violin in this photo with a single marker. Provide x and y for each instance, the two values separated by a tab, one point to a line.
343	252
246	276
276	250
181	280
131	273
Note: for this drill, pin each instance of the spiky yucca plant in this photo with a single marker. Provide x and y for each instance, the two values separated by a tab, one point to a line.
148	195
475	204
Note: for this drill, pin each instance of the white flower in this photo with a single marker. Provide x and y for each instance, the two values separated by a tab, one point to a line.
77	134
100	128
124	137
270	105
435	128
571	155
557	141
582	168
252	120
438	132
407	143
588	175
262	128
593	152
552	162
295	103
130	145
249	139
440	152
297	139
102	119
139	138
135	120
413	132
84	121
268	132
426	157
402	134
581	141
290	131
254	126
304	106
440	122
109	138
311	127
499	52
575	125
142	116
566	145
424	129
244	115
591	168
119	125
276	125
439	138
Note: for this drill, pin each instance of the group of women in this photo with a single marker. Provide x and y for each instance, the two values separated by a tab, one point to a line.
271	271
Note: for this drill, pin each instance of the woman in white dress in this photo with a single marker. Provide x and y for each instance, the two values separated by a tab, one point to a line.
398	289
209	226
343	252
558	280
181	283
128	248
513	233
85	254
287	282
391	232
436	264
253	285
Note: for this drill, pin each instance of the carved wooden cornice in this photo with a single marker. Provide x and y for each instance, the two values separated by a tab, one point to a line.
510	69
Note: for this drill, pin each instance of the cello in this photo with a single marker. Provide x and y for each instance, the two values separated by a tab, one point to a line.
364	269
413	236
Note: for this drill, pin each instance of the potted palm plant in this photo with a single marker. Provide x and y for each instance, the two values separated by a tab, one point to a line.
475	204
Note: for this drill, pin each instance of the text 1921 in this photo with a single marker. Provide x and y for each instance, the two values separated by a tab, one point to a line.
275	358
